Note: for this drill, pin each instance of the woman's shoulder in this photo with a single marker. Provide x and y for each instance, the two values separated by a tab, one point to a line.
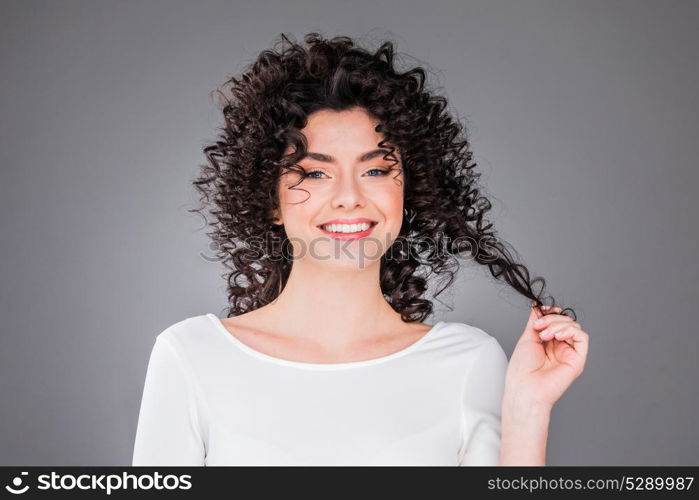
467	332
472	340
189	329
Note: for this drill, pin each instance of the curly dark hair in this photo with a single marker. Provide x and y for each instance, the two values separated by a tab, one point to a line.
270	104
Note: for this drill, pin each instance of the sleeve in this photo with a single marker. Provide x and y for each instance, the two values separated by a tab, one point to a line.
482	395
168	424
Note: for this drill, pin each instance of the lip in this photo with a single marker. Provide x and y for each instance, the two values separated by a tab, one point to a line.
348	221
349	236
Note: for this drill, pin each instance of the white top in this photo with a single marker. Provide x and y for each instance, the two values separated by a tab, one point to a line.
209	399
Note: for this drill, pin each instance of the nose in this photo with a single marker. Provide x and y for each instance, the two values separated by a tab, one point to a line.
348	193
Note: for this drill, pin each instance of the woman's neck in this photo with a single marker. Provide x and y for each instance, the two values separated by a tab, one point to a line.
332	306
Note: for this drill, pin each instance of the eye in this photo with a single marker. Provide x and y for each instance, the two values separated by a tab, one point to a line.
380	170
310	174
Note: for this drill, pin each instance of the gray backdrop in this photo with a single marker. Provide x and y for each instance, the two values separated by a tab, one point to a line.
583	118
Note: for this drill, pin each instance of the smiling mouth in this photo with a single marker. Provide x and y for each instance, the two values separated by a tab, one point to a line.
360	229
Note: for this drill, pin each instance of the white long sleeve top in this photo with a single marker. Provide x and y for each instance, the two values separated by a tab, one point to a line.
209	399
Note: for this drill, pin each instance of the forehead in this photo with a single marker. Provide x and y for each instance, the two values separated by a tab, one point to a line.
342	134
354	125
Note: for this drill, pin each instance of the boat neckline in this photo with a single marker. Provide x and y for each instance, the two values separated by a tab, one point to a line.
220	327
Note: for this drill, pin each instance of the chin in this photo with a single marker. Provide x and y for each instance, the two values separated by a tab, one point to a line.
347	255
347	264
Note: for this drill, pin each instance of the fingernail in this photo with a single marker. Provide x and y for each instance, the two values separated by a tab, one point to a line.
539	322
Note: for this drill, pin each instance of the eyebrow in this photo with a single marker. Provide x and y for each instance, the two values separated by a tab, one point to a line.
369	155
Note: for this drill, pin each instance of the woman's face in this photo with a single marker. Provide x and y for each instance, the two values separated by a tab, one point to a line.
340	184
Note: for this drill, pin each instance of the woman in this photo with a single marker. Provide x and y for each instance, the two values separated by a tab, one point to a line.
336	182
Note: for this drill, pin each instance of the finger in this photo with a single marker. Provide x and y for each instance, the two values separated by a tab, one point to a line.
556	328
573	350
566	332
530	334
544	308
548	309
549	319
566	335
581	343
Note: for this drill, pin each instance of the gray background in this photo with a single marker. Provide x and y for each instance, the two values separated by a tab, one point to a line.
583	118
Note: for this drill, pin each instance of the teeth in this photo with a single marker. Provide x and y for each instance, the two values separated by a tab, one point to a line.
347	228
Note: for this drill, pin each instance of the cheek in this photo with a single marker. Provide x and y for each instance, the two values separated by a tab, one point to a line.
390	199
298	210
